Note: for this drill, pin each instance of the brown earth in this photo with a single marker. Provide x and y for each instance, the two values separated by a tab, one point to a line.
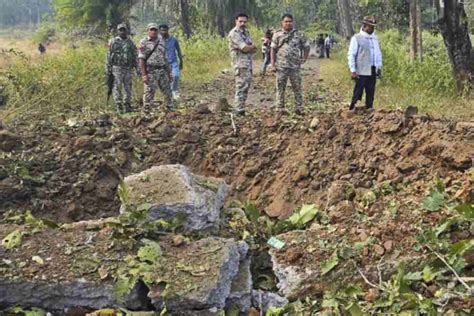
67	171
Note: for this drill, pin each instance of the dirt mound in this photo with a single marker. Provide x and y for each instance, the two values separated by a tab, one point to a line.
69	172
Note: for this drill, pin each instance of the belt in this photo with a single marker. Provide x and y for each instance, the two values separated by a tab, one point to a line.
150	67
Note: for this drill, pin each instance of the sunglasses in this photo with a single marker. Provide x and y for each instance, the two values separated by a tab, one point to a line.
153	29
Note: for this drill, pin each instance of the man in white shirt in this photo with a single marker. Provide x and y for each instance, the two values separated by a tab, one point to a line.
365	63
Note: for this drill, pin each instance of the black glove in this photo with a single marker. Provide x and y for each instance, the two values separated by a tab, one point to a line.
379	73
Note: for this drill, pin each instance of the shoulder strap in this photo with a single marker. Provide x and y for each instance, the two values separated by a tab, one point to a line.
153	50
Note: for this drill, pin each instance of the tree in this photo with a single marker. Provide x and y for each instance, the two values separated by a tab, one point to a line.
185	20
453	24
345	20
415	30
102	13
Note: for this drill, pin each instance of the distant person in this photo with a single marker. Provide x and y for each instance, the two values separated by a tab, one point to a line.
41	49
266	43
241	50
320	43
121	61
327	45
365	62
290	50
155	69
175	58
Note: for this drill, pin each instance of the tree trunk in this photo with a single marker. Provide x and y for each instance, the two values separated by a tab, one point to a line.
454	28
415	30
345	18
221	25
185	18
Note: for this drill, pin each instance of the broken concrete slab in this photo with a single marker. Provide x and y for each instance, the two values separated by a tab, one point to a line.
199	274
172	190
241	289
55	269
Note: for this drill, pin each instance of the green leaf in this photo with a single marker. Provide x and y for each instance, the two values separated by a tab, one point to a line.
306	214
13	239
329	264
145	207
428	274
353	291
150	251
122	287
413	276
434	202
466	210
251	211
459	248
355	310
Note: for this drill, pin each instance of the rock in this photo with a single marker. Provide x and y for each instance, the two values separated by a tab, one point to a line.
187	136
207	312
201	274
301	173
379	250
340	191
222	106
332	132
173	191
264	300
241	290
406	167
203	108
8	141
465	127
388	245
314	123
410	111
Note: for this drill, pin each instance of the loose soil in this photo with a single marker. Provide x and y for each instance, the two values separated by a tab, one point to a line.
67	170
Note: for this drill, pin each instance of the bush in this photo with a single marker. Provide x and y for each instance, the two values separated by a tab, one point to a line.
45	34
432	74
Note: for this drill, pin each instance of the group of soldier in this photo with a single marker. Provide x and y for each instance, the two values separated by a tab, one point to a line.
289	49
159	60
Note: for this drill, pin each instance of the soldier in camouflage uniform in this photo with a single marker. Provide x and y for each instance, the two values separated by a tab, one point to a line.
241	50
121	61
289	50
155	69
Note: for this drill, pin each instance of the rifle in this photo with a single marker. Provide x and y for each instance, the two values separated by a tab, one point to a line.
110	76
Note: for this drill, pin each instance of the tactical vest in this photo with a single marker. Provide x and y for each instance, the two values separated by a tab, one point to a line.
363	58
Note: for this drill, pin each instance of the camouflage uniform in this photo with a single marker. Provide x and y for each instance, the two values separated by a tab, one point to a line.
289	47
121	60
242	63
158	71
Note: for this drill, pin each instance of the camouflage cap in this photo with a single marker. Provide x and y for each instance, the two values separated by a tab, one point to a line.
122	26
152	26
369	20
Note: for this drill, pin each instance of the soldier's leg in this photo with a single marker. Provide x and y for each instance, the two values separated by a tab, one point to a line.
297	86
281	81
127	86
246	83
239	99
117	89
175	73
149	90
164	83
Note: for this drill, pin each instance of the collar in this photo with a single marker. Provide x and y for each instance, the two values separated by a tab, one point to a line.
364	33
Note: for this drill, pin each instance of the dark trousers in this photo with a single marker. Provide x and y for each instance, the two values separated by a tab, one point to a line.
328	51
366	83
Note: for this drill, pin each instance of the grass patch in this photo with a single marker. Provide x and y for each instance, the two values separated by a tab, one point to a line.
390	94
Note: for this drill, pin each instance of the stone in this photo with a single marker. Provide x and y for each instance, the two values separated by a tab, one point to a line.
301	173
171	191
465	127
206	312
9	141
200	274
203	108
406	167
379	250
340	191
388	245
241	289
314	123
264	300
332	132
187	136
410	111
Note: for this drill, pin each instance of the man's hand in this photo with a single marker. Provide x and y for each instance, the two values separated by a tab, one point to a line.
354	75
303	60
274	68
379	73
145	79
